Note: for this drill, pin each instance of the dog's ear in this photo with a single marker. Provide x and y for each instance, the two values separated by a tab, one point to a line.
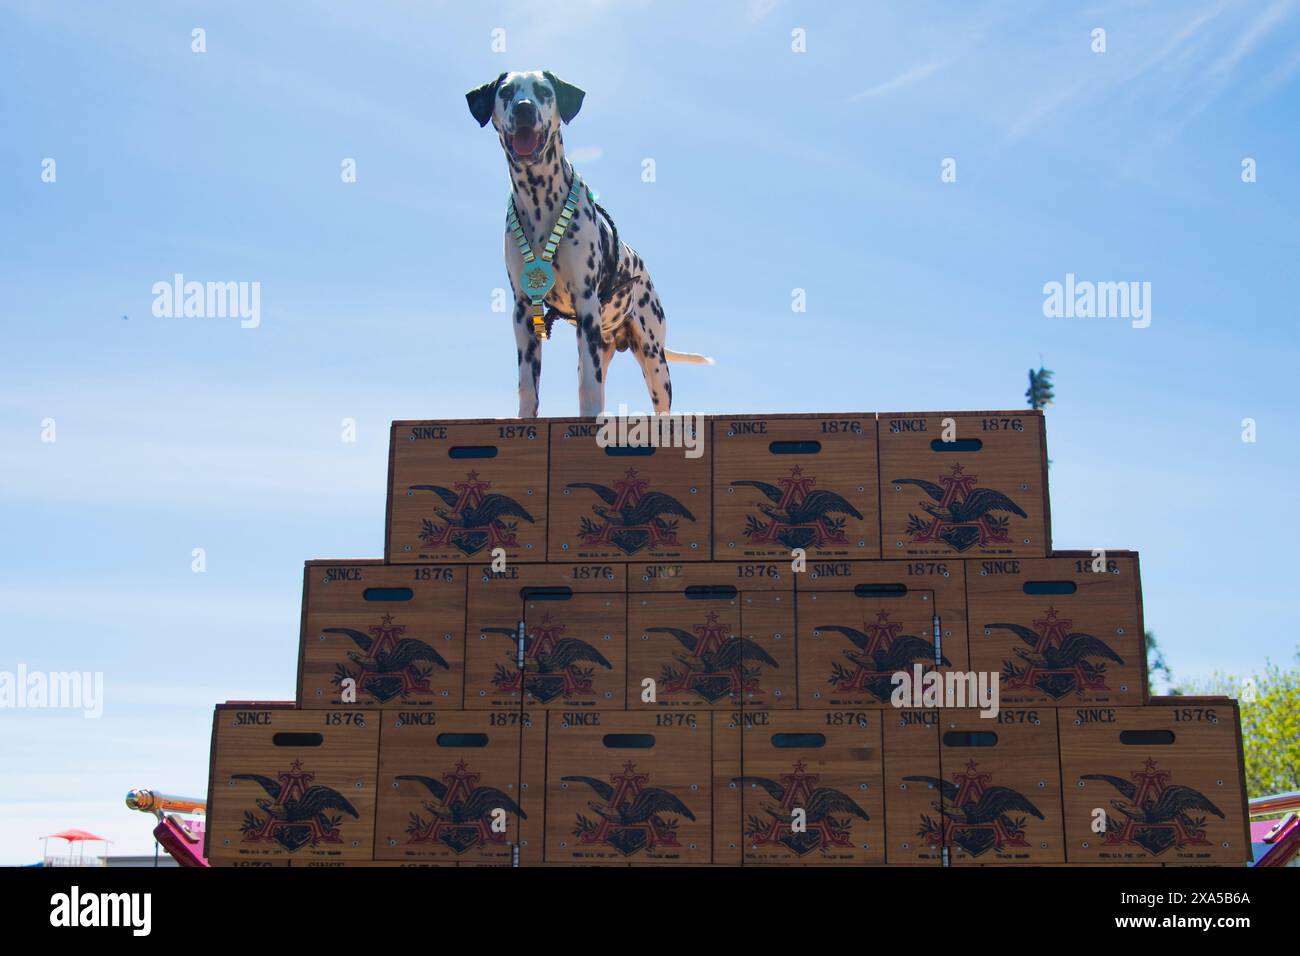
568	98
482	99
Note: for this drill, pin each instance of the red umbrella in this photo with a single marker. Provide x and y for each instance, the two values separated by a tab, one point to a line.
72	836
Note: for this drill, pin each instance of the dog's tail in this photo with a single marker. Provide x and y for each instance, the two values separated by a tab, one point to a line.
691	358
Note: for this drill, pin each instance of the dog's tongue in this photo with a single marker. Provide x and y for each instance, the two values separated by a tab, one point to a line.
525	141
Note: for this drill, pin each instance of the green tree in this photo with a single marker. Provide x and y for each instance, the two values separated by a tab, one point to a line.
1270	723
1040	393
1158	669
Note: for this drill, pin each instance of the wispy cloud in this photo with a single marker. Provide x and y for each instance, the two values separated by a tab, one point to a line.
1170	82
1281	74
1264	24
1222	72
586	154
906	78
1044	107
1178	46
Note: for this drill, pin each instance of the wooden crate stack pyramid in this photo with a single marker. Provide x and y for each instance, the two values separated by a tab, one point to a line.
576	652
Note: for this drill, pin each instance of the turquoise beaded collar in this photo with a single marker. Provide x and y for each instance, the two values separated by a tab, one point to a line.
538	276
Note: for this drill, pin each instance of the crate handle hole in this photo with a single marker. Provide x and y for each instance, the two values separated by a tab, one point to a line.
297	739
711	592
880	590
795	447
801	741
388	594
970	738
472	451
1146	738
1047	588
560	592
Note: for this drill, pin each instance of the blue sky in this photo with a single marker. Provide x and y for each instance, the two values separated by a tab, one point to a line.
775	170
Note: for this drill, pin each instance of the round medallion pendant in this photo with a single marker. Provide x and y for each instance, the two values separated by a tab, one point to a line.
537	279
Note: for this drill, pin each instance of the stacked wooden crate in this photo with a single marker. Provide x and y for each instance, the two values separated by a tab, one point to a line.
581	653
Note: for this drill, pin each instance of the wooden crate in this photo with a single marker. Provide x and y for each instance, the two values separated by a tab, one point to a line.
213	851
222	862
728	800
860	622
459	490
387	864
1000	790
271	765
449	786
1165	782
782	482
984	493
396	632
627	788
625	504
576	651
912	788
1068	866
532	787
827	764
713	636
557	603
1058	631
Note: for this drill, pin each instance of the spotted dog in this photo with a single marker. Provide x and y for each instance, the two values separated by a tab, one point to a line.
601	284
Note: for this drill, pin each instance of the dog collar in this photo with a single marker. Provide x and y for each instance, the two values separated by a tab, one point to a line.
538	277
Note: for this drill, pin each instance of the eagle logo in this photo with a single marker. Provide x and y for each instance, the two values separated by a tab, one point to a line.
1156	814
297	813
461	818
828	813
974	816
881	653
1060	661
633	518
964	515
472	519
630	816
537	278
552	663
386	664
798	516
716	664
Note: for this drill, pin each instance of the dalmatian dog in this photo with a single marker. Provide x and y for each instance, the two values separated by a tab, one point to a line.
601	284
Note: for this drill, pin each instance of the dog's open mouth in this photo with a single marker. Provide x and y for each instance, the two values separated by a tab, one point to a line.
527	141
